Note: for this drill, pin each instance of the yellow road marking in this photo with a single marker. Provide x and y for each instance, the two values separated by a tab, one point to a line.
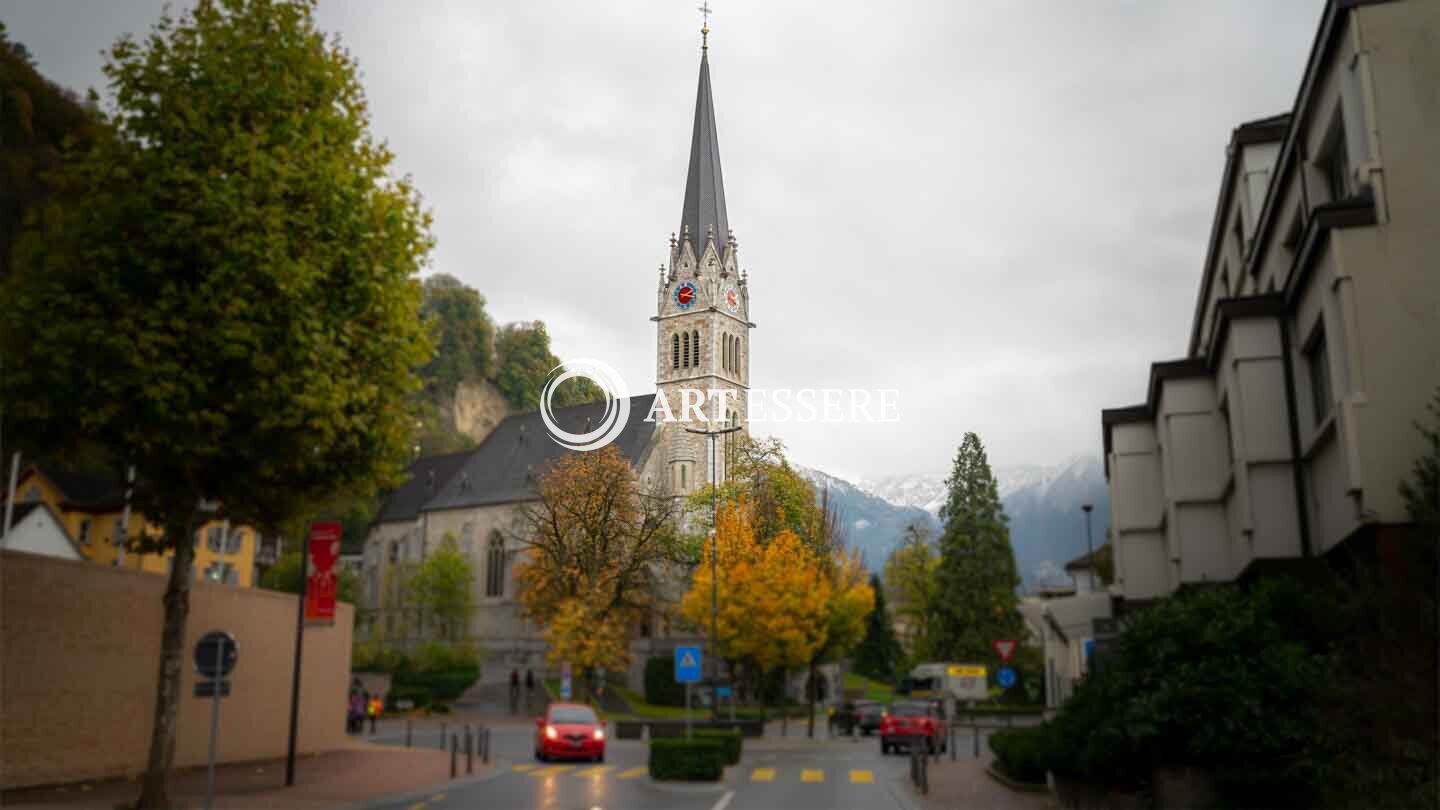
523	768
438	797
862	777
762	775
420	806
633	772
595	771
811	775
553	769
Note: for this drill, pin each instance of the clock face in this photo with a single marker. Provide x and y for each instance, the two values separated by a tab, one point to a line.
732	300
685	295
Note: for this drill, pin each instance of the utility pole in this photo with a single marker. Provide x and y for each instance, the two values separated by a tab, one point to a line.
714	557
1089	543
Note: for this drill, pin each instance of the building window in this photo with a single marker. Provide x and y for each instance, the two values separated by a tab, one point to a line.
682	478
119	535
234	541
695	339
674	351
1317	363
394	553
85	532
495	566
212	538
223	573
685	357
1334	163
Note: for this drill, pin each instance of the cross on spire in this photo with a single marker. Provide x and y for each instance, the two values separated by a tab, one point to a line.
704	9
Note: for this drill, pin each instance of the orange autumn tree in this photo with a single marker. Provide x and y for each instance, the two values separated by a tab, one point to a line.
597	548
773	597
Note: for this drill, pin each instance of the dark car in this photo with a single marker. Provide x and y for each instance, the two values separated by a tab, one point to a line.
870	716
849	718
913	722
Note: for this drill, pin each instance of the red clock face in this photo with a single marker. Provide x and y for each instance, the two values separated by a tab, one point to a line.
685	295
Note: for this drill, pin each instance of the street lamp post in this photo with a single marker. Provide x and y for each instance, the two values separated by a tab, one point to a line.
712	435
1089	543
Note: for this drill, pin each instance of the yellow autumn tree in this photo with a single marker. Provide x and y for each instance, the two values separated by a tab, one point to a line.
597	548
773	597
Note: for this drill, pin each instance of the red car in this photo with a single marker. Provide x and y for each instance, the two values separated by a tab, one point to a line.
569	731
910	721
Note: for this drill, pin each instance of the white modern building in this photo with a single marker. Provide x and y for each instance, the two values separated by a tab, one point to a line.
1285	432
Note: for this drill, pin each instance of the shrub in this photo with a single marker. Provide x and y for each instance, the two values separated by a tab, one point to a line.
696	760
660	686
730	742
445	685
1020	753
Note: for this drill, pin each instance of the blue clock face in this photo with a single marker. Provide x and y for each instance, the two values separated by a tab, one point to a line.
686	295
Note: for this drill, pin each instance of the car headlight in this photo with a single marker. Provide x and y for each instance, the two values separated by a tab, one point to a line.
600	734
551	733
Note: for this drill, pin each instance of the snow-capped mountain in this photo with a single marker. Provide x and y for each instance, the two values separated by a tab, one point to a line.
872	524
1047	528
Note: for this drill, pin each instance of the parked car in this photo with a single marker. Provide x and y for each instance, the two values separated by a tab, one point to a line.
871	715
849	718
911	721
569	731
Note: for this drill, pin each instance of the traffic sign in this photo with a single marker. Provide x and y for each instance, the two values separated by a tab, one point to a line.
687	664
565	681
215	654
1005	677
1004	647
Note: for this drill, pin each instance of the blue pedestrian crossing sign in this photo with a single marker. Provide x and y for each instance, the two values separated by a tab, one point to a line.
1005	677
687	664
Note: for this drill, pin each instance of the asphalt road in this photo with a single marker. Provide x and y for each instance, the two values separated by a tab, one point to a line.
773	774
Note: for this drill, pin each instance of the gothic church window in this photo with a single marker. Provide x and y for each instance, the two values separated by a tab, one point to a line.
674	351
685	363
495	566
695	339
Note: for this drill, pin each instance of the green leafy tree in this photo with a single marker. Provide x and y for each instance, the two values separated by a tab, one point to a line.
879	654
285	576
236	268
975	601
909	576
442	588
525	362
463	335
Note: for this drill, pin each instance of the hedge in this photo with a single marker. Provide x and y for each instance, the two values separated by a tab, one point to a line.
695	760
445	685
660	686
730	740
1020	753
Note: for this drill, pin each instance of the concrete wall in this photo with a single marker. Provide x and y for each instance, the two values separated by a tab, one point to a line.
81	644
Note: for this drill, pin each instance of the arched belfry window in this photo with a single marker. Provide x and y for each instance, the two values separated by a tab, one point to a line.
495	566
725	352
695	339
686	361
674	351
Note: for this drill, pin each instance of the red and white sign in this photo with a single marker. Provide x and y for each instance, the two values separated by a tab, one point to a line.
1004	648
320	589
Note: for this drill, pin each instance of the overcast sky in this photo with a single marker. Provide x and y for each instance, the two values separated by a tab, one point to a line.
998	208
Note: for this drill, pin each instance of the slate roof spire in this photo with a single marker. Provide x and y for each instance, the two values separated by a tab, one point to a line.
704	211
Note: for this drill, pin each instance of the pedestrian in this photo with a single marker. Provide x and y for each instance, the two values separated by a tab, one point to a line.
355	718
376	705
514	691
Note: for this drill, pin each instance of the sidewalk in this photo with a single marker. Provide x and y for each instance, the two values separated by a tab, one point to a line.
964	783
333	779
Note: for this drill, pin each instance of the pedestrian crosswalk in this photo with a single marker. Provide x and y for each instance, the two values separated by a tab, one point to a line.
807	776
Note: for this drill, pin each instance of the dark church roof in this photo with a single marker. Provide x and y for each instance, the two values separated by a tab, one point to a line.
85	491
704	187
504	467
423	480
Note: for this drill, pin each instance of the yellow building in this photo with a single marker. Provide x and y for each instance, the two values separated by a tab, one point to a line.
91	510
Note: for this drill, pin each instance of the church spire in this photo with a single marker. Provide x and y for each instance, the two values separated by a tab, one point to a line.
704	211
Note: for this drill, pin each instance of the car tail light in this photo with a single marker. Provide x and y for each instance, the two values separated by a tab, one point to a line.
551	733
600	734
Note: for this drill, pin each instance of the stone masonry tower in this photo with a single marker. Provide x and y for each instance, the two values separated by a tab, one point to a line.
702	310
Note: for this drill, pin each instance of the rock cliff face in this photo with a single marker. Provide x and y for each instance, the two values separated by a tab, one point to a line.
476	409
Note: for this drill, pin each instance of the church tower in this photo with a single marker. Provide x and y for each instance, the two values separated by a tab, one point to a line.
703	310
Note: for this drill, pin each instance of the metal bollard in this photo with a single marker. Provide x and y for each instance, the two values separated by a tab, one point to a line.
442	736
407	732
950	743
454	754
977	741
469	751
485	746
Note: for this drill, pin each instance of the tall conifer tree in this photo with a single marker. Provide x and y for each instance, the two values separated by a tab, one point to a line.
879	653
976	581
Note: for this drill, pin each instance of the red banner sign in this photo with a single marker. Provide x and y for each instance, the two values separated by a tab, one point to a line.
320	589
1004	648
